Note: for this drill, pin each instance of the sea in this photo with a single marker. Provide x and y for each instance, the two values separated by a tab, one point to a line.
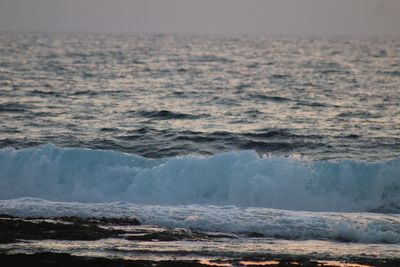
289	143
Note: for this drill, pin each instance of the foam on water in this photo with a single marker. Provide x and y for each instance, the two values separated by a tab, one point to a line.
243	179
272	223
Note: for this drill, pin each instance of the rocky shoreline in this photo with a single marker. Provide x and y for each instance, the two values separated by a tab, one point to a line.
15	229
63	260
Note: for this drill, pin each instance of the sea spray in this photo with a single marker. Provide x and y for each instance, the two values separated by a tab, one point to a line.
241	178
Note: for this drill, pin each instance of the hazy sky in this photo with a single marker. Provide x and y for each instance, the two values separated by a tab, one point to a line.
204	16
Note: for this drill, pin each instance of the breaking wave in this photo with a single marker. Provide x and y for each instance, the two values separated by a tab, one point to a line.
242	179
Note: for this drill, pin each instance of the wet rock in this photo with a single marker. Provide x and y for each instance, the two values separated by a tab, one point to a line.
12	229
170	235
65	260
254	234
103	220
45	259
176	235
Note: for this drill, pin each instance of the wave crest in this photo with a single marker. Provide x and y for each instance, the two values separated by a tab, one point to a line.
236	178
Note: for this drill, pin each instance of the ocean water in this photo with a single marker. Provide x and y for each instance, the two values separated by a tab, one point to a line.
296	139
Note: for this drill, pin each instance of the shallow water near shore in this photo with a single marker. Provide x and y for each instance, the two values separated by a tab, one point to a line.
90	240
358	227
228	249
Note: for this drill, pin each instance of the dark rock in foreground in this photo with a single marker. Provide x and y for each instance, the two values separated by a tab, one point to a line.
14	230
63	228
65	260
176	235
74	228
102	220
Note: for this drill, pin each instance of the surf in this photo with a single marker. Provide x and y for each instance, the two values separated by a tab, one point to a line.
241	178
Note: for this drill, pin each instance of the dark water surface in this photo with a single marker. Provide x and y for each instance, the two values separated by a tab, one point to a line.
166	95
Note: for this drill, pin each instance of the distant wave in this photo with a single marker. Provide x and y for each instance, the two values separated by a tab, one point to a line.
12	107
242	179
166	115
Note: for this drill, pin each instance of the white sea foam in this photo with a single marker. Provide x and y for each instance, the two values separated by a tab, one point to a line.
241	178
298	225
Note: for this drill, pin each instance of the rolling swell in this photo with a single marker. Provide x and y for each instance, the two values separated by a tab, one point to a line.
166	115
235	178
155	143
